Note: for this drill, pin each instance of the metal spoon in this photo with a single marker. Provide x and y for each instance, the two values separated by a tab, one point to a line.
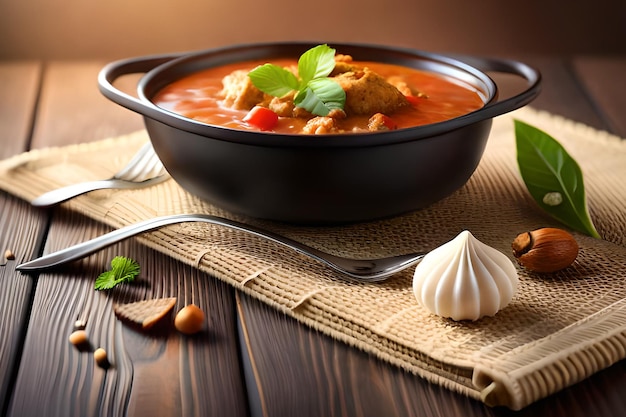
369	270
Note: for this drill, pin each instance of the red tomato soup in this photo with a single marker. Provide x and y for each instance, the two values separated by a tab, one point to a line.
431	98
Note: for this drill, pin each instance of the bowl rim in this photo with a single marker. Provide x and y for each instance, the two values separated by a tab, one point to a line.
175	66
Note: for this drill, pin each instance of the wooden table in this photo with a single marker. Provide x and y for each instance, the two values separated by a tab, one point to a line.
251	360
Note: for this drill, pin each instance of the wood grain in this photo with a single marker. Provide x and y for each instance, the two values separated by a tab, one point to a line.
161	373
157	373
300	365
562	93
21	232
603	79
304	373
72	110
21	229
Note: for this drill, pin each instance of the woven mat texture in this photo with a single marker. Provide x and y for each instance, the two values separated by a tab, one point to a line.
558	329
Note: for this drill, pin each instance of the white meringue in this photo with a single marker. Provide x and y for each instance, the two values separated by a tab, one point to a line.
465	279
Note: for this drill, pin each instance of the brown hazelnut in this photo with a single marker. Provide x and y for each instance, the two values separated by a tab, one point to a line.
545	250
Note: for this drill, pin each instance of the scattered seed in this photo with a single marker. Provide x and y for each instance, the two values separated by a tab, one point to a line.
80	325
79	338
100	356
189	320
9	255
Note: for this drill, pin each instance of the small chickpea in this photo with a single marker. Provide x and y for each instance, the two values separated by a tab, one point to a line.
100	356
9	255
79	338
189	320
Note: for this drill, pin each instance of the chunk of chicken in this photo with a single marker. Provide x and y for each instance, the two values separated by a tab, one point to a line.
379	122
369	93
282	106
321	125
343	63
238	91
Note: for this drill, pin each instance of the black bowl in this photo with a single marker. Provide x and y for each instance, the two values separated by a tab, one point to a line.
319	179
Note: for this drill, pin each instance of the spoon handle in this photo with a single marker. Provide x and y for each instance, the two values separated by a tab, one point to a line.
87	248
370	270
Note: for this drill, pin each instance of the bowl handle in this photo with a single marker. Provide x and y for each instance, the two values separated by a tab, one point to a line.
530	74
114	70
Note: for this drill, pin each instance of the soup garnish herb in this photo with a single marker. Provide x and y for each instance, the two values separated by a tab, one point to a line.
315	92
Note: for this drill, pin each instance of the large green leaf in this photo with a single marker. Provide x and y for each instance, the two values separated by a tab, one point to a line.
274	80
317	62
553	178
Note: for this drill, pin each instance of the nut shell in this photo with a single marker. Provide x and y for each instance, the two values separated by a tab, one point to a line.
545	250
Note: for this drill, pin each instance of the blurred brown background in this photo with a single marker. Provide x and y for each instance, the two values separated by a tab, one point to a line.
67	29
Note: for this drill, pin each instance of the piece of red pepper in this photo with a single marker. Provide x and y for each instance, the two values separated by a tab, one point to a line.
262	118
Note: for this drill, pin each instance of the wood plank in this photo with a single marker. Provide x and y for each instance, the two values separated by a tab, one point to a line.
19	86
21	228
561	91
603	79
157	373
304	373
72	110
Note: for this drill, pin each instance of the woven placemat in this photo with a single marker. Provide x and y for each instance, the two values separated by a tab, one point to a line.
558	329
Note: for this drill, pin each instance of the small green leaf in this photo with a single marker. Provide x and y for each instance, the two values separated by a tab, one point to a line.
321	96
553	178
317	62
122	270
274	80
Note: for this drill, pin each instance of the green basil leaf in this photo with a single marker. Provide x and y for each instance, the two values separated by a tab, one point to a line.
317	62
553	178
122	270
274	80
316	92
321	96
307	100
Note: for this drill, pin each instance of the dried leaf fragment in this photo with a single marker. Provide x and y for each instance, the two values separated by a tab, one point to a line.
145	313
